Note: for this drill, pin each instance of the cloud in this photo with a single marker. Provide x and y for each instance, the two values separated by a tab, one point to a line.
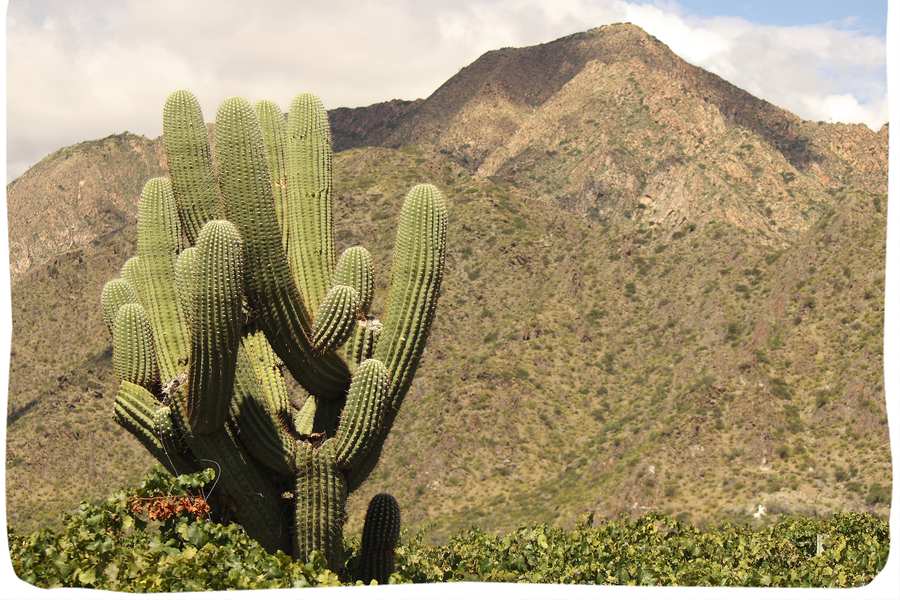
819	72
86	68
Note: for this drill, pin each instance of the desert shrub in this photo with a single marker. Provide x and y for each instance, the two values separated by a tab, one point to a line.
733	331
878	494
780	388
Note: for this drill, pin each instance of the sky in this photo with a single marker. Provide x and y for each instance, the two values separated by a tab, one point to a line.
84	69
867	16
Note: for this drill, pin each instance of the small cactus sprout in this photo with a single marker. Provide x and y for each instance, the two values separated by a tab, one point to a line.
381	532
235	285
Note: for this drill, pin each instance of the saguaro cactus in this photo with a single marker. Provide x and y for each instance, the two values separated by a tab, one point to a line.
235	282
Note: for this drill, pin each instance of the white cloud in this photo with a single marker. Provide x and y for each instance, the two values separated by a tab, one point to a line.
844	108
86	68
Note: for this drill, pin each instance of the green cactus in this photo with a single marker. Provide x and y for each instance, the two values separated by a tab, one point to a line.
115	293
336	319
134	358
159	241
310	229
216	325
187	148
381	532
355	269
234	284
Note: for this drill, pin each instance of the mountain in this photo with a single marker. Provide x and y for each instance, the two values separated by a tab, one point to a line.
604	120
77	195
661	294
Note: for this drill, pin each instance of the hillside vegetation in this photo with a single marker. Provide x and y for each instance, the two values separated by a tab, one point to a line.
662	296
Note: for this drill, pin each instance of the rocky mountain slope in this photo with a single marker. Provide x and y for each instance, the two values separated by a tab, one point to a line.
605	120
83	192
662	294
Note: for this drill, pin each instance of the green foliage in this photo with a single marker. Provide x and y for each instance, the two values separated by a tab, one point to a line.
660	550
107	545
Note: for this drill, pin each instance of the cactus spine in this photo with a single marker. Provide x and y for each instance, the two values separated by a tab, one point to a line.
204	332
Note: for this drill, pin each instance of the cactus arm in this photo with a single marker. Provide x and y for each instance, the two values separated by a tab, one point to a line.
274	131
381	532
134	359
361	344
136	410
268	370
190	166
262	433
320	498
115	293
216	330
415	284
245	380
159	241
310	235
270	289
171	436
132	273
259	409
363	415
416	275
355	269
335	319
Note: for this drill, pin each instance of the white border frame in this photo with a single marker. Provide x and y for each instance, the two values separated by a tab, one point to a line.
884	586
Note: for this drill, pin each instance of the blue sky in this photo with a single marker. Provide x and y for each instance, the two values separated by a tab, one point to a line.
83	69
868	16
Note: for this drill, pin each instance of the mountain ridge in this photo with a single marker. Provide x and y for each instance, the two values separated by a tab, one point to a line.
822	151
